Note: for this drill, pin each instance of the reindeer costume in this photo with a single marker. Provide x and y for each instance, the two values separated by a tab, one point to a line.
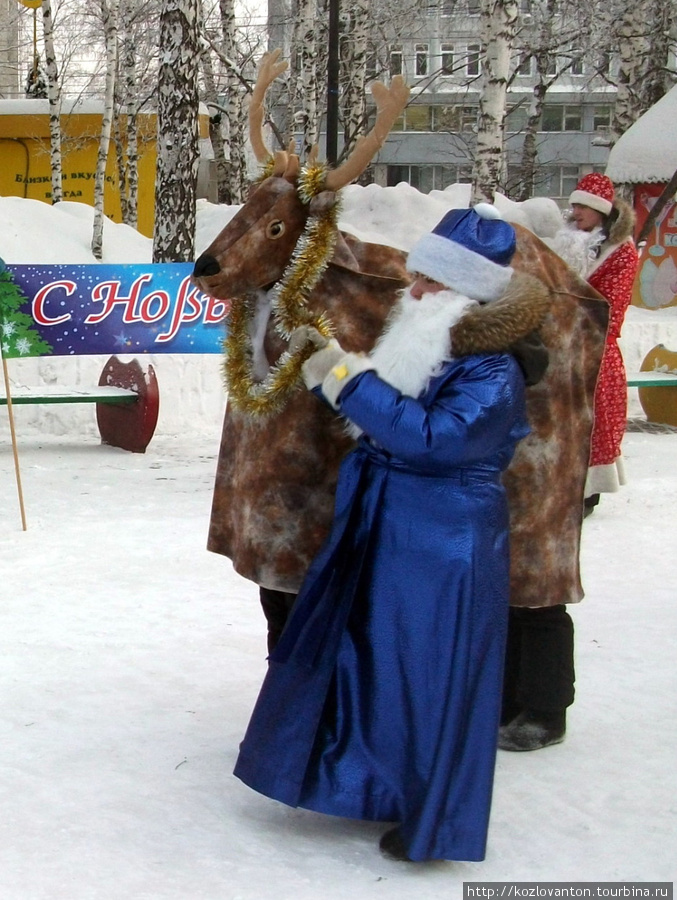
382	698
281	449
539	677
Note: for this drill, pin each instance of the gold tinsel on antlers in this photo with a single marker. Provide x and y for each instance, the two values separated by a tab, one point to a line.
289	307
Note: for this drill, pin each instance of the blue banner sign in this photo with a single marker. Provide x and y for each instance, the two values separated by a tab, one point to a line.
66	310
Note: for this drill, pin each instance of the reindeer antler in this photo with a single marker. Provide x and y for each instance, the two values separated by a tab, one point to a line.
269	69
389	104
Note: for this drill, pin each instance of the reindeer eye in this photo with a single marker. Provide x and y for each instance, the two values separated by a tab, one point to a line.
275	229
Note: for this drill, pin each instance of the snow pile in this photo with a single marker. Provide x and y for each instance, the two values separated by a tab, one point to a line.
131	658
34	232
647	152
192	395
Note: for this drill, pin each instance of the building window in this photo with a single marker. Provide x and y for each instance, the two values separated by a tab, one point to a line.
421	58
418	118
429	178
472	65
561	118
569	177
601	118
473	7
455	119
415	118
551	65
603	63
396	174
577	63
573	118
525	64
371	62
556	182
516	120
396	61
447	52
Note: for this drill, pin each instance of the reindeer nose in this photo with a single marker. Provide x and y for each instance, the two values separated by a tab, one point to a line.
206	265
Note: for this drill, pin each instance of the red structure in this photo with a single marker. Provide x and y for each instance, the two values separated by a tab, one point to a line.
129	426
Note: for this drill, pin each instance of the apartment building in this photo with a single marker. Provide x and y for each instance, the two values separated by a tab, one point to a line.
432	144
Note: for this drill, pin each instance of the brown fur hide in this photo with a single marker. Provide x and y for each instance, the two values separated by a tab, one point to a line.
275	481
273	495
545	481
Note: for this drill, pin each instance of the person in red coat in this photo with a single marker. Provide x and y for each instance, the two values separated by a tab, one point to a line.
539	672
612	266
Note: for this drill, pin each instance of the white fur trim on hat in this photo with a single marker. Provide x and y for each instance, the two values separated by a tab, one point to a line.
458	268
585	198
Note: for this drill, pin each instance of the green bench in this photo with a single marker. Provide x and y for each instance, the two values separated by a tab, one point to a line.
47	394
652	379
660	406
127	402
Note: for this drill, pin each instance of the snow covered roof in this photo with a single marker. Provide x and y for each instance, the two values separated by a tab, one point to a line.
647	152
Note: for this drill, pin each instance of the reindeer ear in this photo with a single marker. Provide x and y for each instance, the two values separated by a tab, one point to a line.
322	202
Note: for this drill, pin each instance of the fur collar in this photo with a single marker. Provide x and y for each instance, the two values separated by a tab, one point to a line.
623	227
493	327
420	335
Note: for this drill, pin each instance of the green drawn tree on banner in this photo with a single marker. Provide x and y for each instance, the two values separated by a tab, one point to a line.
17	329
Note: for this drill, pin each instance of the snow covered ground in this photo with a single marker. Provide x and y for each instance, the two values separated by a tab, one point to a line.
130	660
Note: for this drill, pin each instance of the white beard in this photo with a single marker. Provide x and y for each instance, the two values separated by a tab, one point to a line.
577	248
416	341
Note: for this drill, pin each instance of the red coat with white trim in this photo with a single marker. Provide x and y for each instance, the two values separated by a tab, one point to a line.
612	274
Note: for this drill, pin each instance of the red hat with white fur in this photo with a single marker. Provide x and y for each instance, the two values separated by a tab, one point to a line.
596	191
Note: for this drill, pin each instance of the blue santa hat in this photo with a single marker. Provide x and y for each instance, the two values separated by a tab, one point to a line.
469	252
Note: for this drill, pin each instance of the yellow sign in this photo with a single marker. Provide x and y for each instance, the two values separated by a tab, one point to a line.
31	4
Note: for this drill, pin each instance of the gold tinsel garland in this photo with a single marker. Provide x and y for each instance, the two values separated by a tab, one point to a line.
288	299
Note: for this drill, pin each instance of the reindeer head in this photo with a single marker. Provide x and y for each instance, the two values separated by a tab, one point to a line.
256	246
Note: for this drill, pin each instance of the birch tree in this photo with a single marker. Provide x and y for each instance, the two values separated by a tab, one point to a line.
54	96
354	49
661	71
543	53
304	74
225	93
233	125
109	12
278	21
178	148
127	142
498	23
554	44
643	37
217	114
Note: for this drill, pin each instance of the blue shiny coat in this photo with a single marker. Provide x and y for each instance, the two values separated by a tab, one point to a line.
382	698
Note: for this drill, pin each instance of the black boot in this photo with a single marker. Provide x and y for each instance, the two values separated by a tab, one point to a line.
533	730
277	606
589	504
392	846
539	665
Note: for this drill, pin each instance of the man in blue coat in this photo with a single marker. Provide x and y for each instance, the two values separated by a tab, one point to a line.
383	696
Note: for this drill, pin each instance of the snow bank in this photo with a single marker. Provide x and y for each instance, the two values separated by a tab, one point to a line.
647	152
192	396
